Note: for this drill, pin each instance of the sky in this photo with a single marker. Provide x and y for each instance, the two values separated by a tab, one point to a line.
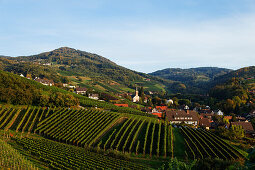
142	35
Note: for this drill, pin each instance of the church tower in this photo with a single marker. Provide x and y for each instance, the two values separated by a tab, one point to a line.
136	97
136	92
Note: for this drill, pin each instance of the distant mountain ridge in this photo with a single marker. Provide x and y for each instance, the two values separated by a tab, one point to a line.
196	74
194	79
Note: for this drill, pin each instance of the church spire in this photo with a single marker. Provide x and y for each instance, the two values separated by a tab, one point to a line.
136	92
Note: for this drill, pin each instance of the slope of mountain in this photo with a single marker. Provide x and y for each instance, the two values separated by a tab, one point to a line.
194	80
21	91
244	74
235	91
82	69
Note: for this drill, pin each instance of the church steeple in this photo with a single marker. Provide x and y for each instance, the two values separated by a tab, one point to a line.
136	97
136	92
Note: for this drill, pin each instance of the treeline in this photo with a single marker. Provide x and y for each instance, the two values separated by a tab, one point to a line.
233	96
20	91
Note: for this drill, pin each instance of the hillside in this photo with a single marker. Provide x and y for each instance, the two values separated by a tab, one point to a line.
68	65
234	92
244	74
194	80
18	90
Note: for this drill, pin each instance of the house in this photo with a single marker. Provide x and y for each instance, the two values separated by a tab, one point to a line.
219	113
45	82
136	97
207	115
169	101
182	116
94	96
145	100
228	117
81	90
121	105
71	86
205	122
161	108
156	112
159	114
29	76
247	126
239	118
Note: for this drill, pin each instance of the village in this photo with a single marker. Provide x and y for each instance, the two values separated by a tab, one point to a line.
197	117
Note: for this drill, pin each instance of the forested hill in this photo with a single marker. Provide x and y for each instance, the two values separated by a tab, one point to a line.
83	69
194	79
246	73
191	74
235	90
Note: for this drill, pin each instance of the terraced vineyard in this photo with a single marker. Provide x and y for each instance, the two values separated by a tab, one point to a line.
12	159
141	136
113	131
79	127
22	119
62	156
203	144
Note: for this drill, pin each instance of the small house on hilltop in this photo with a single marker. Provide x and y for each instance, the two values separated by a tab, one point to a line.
81	90
94	96
45	82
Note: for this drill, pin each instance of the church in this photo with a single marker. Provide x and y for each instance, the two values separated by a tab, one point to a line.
136	97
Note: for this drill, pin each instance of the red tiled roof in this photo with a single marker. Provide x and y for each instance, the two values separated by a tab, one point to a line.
158	114
190	115
205	122
81	89
228	117
161	107
121	105
247	126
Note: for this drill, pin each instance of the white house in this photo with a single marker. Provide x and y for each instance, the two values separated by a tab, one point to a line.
94	96
219	112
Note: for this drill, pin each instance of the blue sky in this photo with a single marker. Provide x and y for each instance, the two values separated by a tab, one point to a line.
144	35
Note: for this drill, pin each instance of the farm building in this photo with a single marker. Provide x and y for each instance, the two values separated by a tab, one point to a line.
182	116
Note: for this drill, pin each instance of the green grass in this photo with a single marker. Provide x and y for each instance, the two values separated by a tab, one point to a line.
179	145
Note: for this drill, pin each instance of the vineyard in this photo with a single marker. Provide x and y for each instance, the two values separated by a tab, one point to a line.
79	127
12	159
22	119
113	131
203	144
62	156
140	136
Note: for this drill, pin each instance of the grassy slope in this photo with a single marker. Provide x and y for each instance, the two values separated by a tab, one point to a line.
179	145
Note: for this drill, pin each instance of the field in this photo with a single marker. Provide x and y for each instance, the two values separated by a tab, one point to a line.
11	158
203	144
63	156
71	137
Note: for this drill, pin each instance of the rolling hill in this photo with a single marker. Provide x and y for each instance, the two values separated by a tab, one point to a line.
194	80
82	69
